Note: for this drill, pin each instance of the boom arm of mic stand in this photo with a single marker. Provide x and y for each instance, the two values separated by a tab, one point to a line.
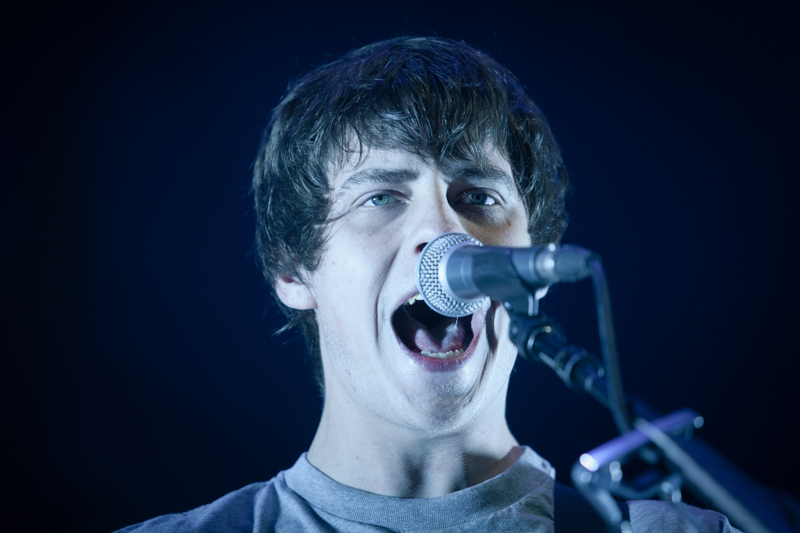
539	339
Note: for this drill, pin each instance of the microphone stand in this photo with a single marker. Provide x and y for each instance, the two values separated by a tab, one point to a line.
657	440
455	271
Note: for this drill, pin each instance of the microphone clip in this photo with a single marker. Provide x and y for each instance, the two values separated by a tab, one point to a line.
539	339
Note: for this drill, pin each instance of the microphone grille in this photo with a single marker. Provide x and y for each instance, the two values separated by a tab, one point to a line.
428	280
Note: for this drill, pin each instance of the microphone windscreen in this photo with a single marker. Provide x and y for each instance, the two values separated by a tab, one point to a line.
430	270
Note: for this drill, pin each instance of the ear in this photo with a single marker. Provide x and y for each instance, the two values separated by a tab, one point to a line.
294	293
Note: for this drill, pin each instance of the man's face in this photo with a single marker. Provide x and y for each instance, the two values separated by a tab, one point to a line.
385	208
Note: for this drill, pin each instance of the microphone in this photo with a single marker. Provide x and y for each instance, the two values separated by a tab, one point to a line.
456	273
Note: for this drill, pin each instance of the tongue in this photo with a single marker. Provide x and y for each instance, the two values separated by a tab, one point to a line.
446	336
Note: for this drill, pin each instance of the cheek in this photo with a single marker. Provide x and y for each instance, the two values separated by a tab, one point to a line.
513	233
497	333
350	280
518	230
506	350
511	230
501	322
370	247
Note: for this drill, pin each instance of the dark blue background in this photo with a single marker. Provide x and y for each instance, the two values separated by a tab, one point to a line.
141	375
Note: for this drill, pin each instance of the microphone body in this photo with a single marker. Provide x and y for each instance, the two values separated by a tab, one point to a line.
456	273
469	270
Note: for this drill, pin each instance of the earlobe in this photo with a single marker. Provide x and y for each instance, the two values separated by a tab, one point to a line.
294	293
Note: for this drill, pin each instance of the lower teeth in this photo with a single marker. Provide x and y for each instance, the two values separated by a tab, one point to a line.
442	355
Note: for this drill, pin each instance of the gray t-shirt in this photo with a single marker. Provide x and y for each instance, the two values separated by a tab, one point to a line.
303	499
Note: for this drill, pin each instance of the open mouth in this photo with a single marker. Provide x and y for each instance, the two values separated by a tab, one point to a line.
426	332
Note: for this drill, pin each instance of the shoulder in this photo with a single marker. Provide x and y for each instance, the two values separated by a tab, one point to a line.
233	513
650	515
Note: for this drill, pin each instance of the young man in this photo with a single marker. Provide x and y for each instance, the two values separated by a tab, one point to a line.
365	161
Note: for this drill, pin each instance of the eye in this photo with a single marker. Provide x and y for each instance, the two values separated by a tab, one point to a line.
478	198
380	199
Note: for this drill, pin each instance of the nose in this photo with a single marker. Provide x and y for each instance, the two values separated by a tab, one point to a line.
433	216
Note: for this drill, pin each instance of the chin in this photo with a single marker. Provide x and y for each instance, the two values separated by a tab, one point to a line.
444	401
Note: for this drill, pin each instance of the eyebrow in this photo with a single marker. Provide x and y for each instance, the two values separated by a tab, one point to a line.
488	173
475	172
377	176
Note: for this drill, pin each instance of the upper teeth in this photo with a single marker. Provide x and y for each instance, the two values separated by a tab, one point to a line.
414	298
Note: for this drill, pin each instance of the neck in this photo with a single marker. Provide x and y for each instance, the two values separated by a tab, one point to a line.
369	453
